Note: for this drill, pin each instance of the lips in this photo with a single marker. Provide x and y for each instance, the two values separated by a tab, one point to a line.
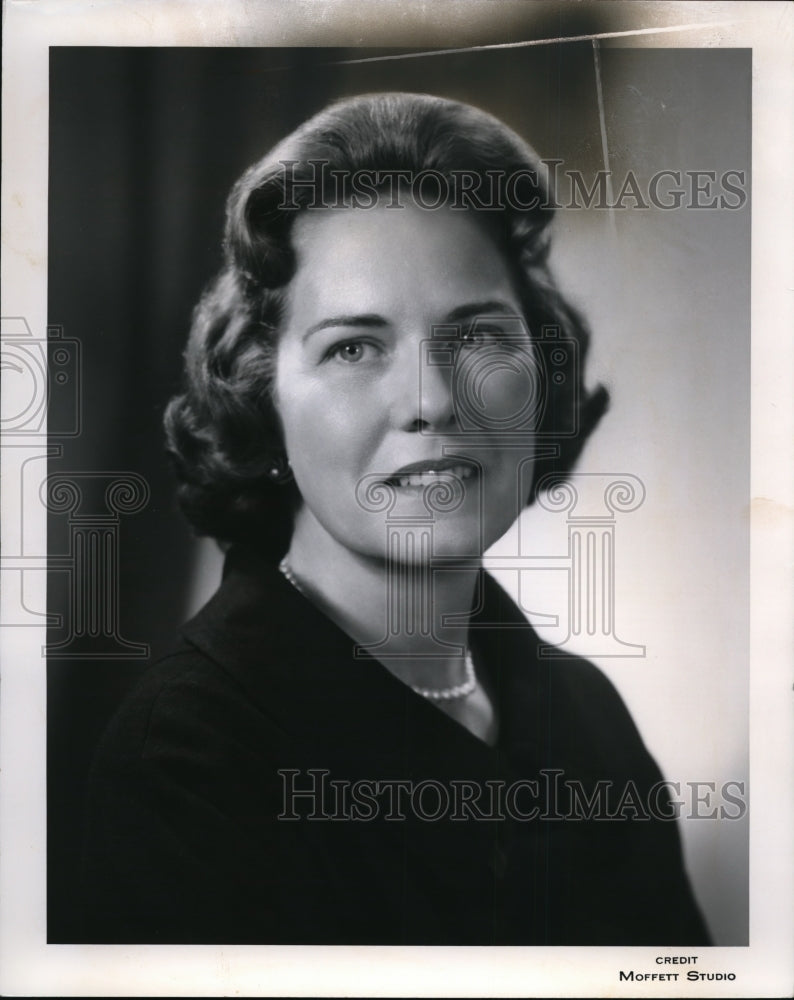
419	474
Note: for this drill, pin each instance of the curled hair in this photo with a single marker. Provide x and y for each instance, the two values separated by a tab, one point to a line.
223	431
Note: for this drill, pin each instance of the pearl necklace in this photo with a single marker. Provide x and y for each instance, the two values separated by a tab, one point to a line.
458	691
461	690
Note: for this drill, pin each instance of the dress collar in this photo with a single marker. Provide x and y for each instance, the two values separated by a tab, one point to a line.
300	668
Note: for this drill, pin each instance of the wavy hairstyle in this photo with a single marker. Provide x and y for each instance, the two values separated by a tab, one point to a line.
223	432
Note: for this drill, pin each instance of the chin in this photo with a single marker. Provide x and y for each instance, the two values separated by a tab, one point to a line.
447	537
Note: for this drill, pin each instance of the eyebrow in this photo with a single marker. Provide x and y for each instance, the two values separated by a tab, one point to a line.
486	308
361	320
374	320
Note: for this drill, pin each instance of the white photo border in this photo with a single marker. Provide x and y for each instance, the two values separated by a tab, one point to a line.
29	966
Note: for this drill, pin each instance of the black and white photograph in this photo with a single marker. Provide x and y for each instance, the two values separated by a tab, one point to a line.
392	553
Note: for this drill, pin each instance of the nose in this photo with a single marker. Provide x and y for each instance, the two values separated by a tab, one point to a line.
425	390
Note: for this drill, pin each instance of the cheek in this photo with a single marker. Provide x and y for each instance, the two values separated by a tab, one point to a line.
323	434
498	391
509	396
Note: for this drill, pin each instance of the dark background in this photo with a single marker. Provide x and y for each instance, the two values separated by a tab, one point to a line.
144	146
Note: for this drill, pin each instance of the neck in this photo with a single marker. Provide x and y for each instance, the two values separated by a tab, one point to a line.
409	615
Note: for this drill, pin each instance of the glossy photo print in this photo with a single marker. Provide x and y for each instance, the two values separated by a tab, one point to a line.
360	739
396	478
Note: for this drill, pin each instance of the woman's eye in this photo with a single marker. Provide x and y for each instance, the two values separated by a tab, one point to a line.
508	335
477	335
352	351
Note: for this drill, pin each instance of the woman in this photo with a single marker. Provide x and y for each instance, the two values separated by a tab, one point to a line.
356	741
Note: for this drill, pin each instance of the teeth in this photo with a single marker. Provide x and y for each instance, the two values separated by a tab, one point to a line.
433	475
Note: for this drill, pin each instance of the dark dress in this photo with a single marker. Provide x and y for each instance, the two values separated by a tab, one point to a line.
197	833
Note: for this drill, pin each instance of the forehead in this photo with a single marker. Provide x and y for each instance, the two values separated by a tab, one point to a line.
396	258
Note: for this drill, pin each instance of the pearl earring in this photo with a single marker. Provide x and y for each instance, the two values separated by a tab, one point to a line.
280	470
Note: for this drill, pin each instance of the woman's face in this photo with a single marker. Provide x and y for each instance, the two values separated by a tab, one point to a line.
372	394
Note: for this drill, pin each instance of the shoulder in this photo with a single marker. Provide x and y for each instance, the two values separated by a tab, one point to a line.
569	702
568	677
219	674
179	807
185	706
590	727
588	688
